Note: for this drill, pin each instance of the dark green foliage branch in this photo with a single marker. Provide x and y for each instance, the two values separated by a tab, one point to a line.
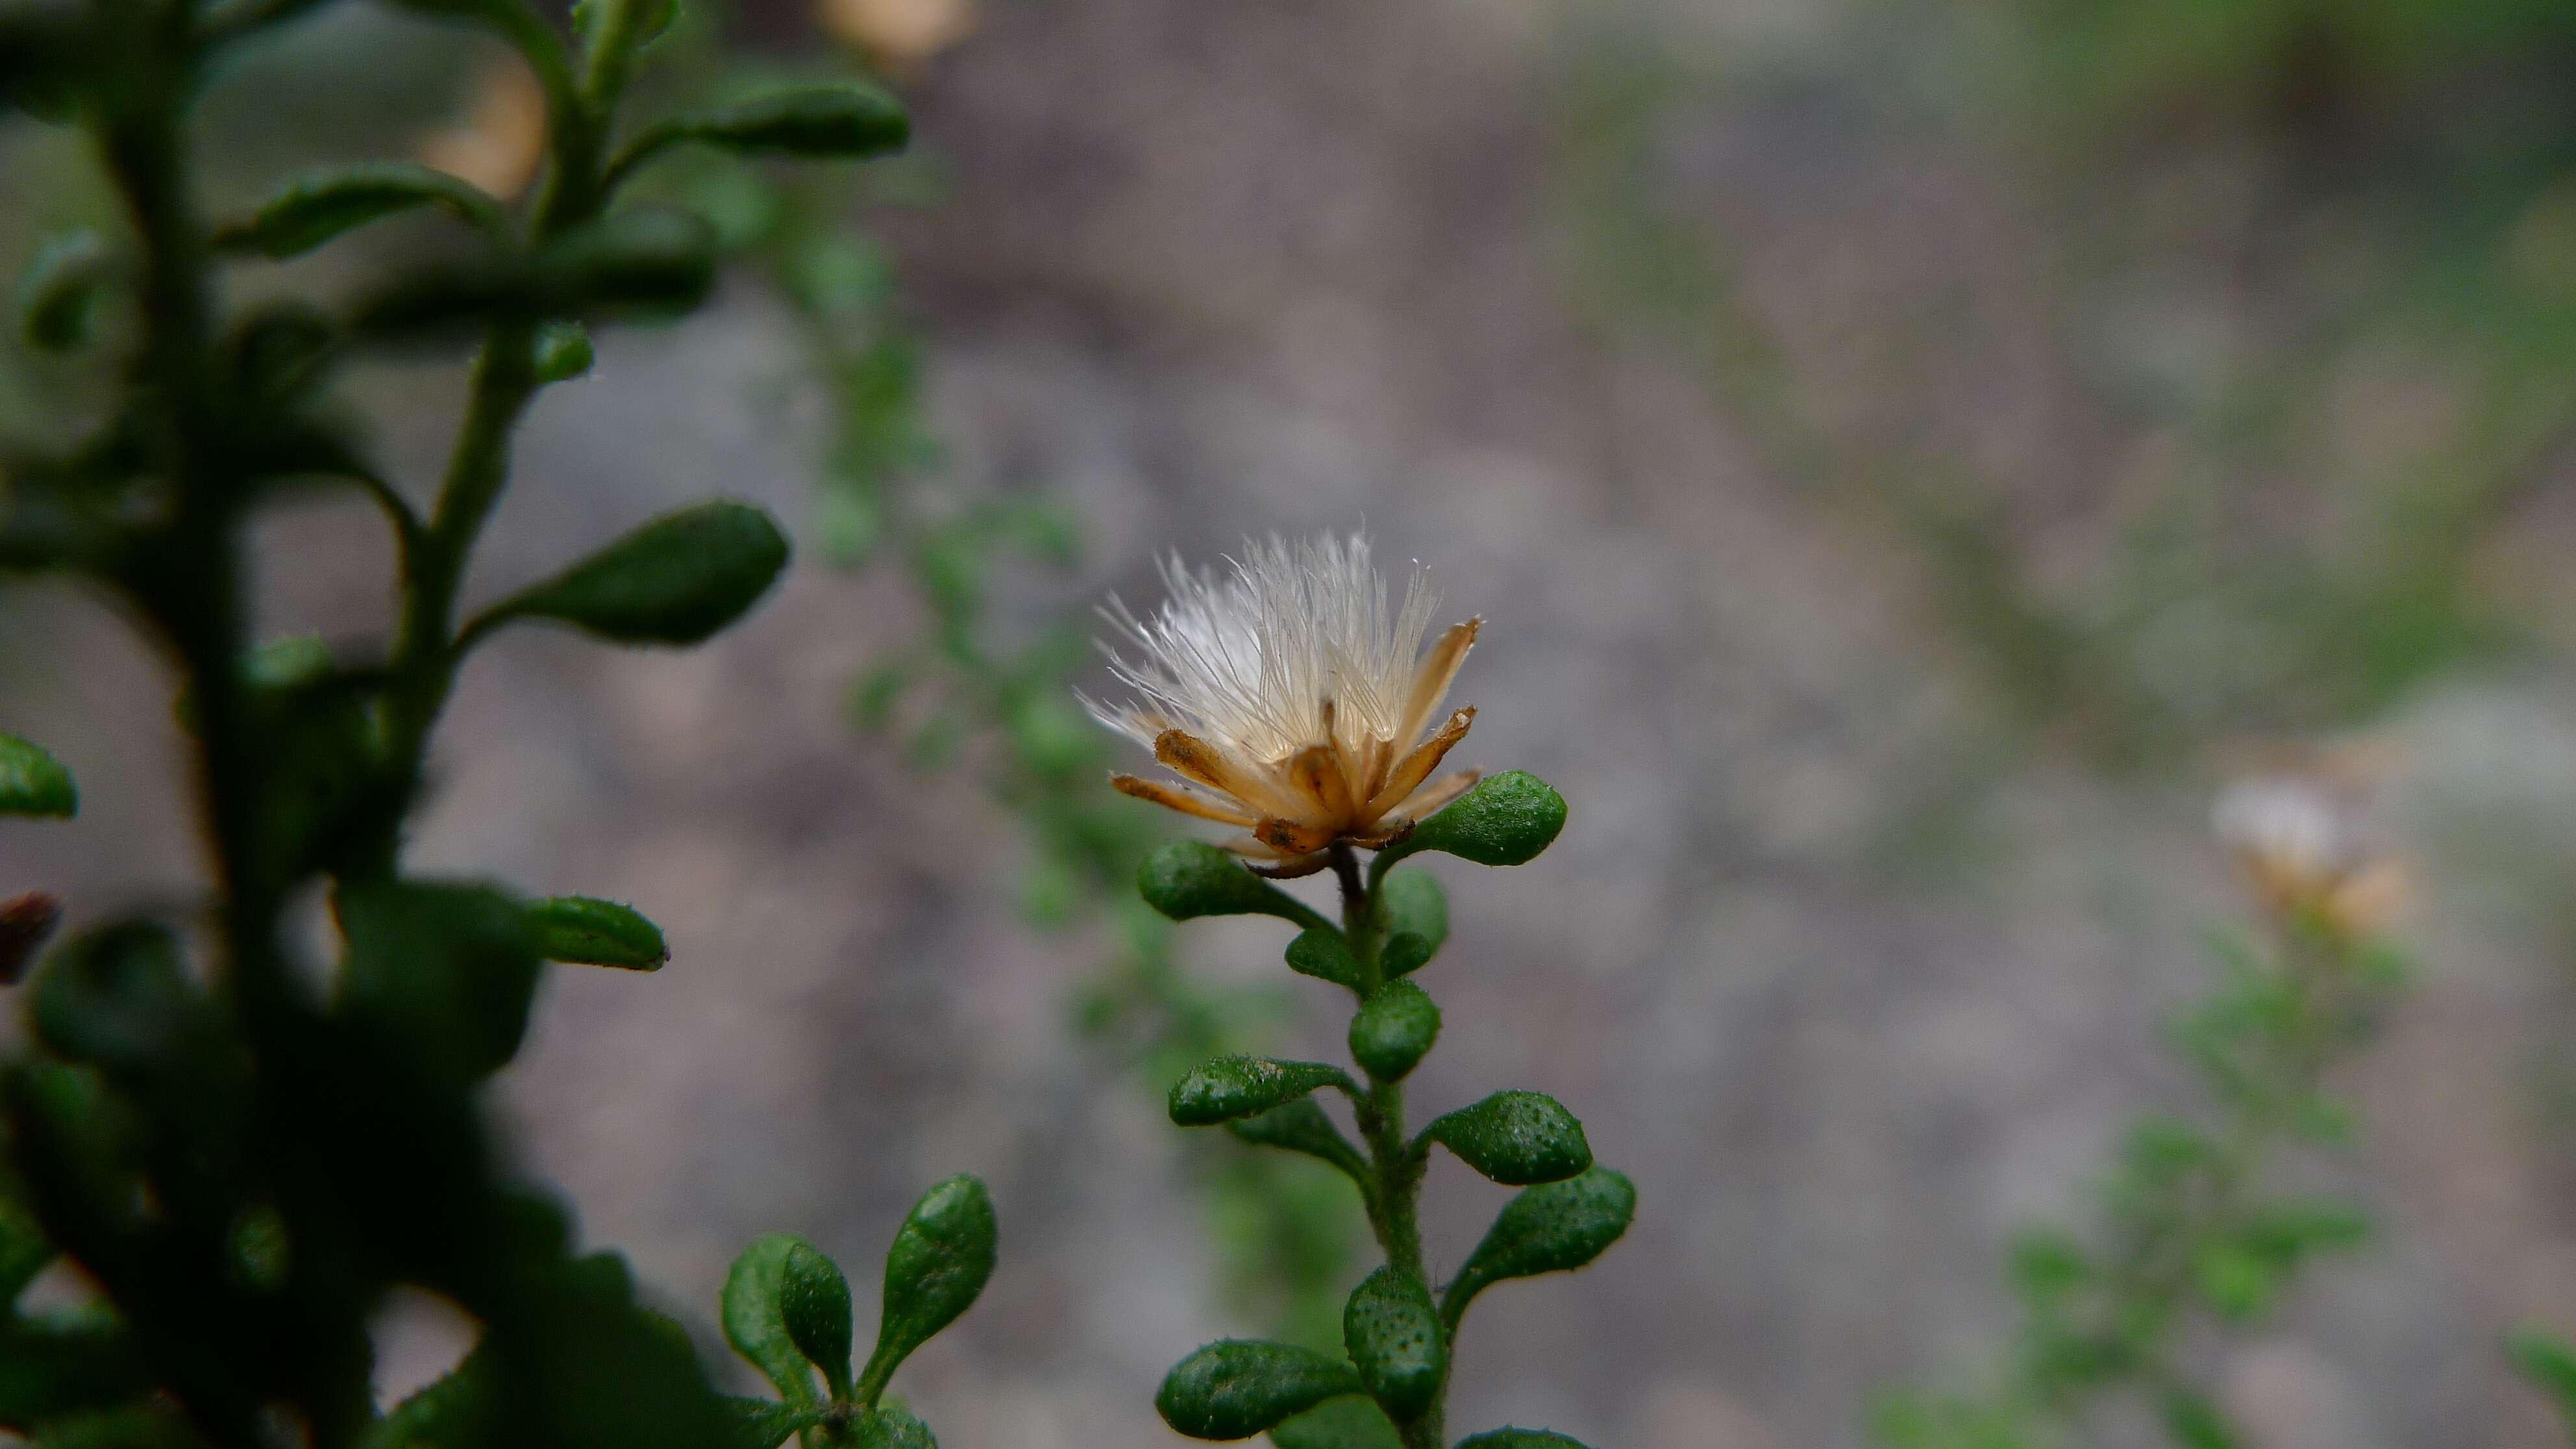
245	1155
1389	1384
970	694
2196	1231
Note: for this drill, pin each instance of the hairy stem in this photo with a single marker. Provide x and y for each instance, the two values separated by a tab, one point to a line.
1395	1171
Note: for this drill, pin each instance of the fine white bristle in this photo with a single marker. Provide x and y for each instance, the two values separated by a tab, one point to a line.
1248	660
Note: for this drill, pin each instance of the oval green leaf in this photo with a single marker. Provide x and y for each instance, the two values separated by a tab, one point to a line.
326	202
1505	820
1413	904
676	580
1395	1341
441	973
1239	1086
1237	1387
1551	1228
656	257
814	120
563	352
1300	1126
1515	1138
1392	1032
119	998
814	1303
33	782
755	1318
1189	878
1321	952
938	1263
585	931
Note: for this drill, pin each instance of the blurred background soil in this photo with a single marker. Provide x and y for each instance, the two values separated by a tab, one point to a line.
1905	459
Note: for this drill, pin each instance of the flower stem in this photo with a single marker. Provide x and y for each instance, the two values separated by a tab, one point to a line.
1395	1170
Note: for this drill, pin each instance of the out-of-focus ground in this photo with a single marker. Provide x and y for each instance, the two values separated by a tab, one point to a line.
1686	344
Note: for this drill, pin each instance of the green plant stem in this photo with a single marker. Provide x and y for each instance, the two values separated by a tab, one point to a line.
189	579
504	383
1394	1185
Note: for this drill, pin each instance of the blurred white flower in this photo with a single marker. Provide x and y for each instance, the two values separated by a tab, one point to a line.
2298	837
1292	693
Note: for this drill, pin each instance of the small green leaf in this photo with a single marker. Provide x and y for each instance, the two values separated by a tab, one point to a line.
1414	904
755	1319
1395	1341
1300	1126
1515	1138
59	291
1187	878
2550	1364
812	120
814	1302
119	998
585	931
2194	1421
2046	1263
1321	952
890	1427
1393	1031
1237	1387
939	1262
1239	1086
652	257
323	203
440	973
33	782
1553	1228
2237	1284
1519	1439
563	351
462	1407
1353	1421
1505	820
1403	954
676	580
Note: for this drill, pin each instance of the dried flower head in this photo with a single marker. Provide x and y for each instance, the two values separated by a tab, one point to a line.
1292	699
2298	838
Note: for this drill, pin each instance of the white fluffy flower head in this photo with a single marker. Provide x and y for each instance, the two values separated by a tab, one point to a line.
1295	695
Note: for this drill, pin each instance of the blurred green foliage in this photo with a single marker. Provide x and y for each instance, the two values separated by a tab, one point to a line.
2195	1225
244	1153
2255	230
979	696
